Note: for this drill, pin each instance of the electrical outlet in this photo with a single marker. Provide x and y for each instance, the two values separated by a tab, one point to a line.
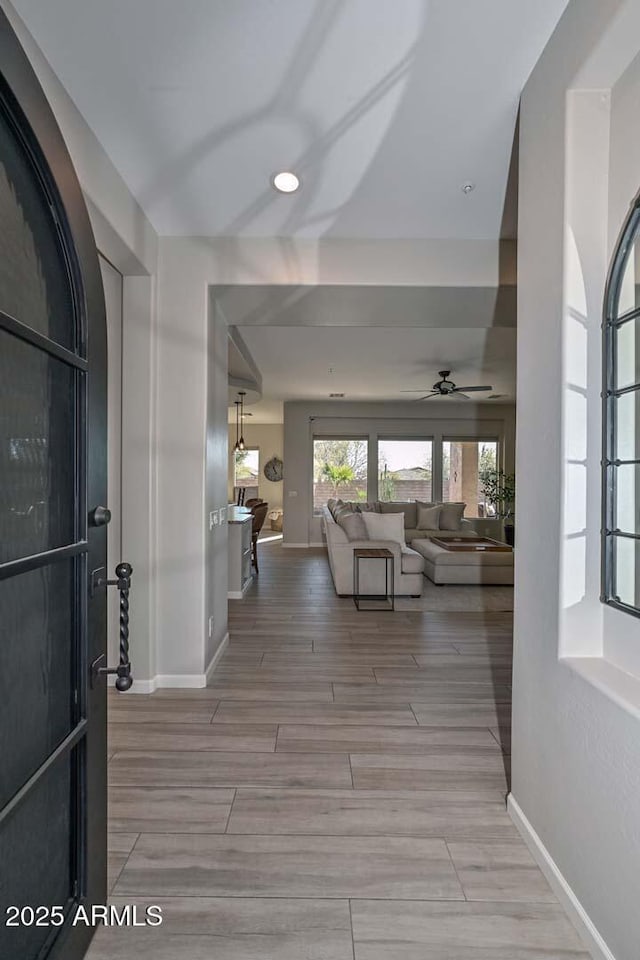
293	493
211	520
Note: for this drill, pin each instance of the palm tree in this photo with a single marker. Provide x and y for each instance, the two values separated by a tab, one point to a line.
337	475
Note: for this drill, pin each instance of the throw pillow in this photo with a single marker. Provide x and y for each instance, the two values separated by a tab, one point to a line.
331	505
429	517
451	515
371	507
353	525
408	510
385	526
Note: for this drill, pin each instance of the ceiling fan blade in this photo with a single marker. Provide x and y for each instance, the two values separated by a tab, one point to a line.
434	393
471	389
412	391
463	395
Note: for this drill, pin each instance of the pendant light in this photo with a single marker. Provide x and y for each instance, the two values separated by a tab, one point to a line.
237	445
241	394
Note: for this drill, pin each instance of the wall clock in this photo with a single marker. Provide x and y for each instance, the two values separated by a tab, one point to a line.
273	469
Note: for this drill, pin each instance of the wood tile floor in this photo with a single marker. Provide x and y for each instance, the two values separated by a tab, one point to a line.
337	793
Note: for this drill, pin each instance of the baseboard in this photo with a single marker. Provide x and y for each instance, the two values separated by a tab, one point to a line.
295	546
239	594
181	680
216	657
188	681
138	686
595	944
319	543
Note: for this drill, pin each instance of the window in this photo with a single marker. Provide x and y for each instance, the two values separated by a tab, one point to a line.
463	463
404	469
621	460
339	469
246	467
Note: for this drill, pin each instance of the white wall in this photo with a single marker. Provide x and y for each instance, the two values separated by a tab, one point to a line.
126	238
269	438
576	727
303	418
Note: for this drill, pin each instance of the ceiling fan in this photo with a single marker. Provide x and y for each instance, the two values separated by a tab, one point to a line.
446	388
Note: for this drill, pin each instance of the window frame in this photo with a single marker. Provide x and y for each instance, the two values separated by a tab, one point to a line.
319	436
402	438
446	438
625	245
249	448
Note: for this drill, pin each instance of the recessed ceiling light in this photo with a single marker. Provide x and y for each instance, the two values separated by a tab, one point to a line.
286	182
468	187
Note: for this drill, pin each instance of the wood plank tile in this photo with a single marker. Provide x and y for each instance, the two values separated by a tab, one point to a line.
425	692
350	658
169	809
464	769
231	928
315	713
386	867
159	737
499	870
471	713
450	814
316	672
206	769
459	672
308	738
119	846
141	708
463	931
264	692
384	645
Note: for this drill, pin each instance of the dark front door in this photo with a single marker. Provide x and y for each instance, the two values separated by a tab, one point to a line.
52	473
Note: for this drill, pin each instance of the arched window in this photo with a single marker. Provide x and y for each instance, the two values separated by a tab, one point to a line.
621	423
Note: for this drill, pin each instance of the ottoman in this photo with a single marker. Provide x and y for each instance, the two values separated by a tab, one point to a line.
479	567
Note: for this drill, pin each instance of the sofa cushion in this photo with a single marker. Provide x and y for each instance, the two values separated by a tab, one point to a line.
410	561
371	507
388	526
408	509
429	517
353	525
451	516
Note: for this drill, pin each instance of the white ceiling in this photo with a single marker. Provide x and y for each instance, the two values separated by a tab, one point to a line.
384	107
378	363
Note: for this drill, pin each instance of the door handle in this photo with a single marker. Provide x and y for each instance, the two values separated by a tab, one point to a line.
124	680
99	517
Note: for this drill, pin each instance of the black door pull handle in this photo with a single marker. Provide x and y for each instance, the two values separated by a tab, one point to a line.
124	680
99	517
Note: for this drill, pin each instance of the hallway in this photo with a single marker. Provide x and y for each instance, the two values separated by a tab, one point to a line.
336	793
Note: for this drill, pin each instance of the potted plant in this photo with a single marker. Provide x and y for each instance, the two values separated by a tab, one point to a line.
500	490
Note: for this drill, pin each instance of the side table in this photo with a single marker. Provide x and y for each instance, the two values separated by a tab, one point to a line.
362	553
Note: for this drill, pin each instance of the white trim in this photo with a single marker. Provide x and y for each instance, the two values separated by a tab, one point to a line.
319	543
239	594
138	686
559	884
213	663
181	680
296	546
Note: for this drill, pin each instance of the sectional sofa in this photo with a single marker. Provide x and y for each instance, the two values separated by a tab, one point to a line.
409	564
